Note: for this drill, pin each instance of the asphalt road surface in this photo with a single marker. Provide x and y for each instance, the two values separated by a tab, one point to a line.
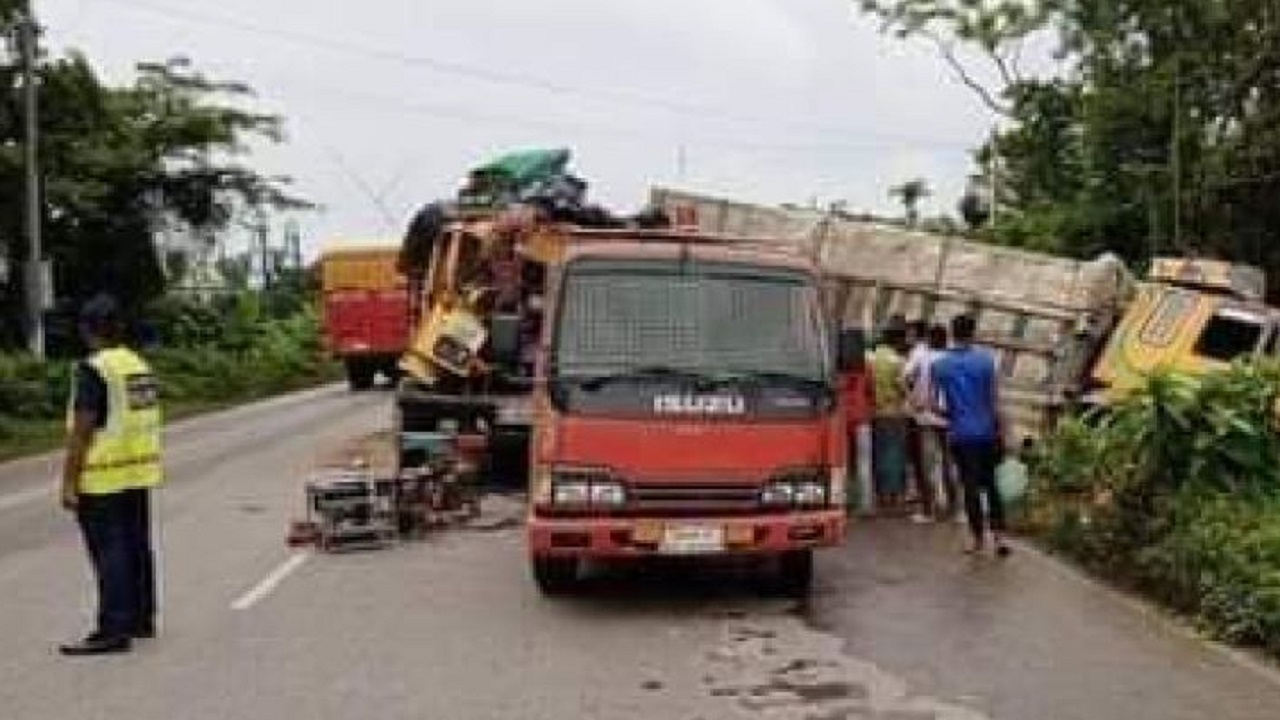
901	625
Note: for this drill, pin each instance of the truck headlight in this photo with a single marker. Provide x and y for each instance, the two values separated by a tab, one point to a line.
778	494
811	493
596	488
805	488
570	493
608	494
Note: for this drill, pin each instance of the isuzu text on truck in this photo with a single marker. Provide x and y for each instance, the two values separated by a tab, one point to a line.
686	405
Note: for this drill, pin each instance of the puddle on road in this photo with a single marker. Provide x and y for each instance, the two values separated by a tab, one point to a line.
775	667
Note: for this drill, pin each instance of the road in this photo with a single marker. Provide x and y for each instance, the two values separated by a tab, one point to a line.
901	625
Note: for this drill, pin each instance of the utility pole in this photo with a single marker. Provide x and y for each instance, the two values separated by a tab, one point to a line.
264	251
993	177
1175	152
34	278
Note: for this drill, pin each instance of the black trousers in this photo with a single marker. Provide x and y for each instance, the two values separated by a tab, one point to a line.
976	462
117	534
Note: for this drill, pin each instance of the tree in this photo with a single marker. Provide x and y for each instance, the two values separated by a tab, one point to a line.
910	193
119	161
1159	133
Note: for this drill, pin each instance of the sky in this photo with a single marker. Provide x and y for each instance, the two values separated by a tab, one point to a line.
388	102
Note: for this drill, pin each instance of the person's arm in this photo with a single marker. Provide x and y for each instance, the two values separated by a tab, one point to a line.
83	425
88	412
935	390
911	370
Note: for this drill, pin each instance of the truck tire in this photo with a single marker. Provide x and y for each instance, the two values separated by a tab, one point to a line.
359	374
555	575
392	372
795	574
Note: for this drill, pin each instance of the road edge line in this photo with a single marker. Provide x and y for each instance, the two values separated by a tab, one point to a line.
268	584
1149	611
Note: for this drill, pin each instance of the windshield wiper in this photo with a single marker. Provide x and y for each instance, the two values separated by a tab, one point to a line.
773	377
592	383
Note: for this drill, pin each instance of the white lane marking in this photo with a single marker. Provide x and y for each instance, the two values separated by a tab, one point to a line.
270	582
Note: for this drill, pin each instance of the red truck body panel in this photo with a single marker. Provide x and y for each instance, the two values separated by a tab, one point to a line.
366	322
683	474
615	538
710	451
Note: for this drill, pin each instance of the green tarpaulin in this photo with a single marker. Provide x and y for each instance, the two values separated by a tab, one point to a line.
523	168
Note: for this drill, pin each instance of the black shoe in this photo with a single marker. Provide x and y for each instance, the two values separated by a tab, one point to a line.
1003	551
97	644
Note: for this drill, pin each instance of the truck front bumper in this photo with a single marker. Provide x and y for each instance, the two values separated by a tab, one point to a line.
625	537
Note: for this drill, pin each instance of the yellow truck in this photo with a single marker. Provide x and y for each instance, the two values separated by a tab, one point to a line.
1191	316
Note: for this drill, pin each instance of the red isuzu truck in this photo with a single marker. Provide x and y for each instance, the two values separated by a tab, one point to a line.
687	404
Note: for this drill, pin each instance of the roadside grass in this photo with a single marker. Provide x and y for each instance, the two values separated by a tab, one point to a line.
1174	493
22	437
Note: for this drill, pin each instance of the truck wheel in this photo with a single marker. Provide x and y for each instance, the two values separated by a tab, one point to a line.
392	371
795	573
555	575
359	374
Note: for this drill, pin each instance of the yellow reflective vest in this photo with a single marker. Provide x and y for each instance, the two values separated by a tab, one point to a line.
125	452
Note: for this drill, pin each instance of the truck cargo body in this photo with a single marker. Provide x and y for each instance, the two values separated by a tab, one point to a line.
365	305
687	405
1046	318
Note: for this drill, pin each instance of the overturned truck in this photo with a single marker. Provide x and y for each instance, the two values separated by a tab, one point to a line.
1047	318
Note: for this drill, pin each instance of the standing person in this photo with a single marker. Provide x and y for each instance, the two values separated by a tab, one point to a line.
919	358
967	384
113	459
889	424
933	474
855	390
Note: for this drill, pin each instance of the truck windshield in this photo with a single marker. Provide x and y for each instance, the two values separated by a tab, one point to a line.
711	321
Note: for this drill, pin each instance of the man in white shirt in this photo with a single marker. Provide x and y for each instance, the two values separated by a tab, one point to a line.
928	428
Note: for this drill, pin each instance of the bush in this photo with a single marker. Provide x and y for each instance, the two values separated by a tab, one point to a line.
1175	491
31	389
205	357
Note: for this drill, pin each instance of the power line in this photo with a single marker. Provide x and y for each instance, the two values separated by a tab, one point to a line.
504	78
339	94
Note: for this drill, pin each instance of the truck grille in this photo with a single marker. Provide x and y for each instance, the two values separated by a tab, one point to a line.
675	499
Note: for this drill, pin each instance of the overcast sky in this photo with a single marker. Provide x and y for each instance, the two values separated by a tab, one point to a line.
771	100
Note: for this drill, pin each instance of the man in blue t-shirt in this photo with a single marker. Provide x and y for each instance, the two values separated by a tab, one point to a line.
966	382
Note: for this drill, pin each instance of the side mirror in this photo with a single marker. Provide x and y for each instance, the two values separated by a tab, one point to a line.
851	351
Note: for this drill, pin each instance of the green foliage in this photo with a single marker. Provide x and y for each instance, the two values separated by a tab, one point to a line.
1176	490
208	357
117	160
1158	132
31	389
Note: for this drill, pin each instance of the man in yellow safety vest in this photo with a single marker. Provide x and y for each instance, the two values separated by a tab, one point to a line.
113	459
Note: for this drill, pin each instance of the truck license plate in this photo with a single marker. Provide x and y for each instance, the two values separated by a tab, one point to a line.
692	540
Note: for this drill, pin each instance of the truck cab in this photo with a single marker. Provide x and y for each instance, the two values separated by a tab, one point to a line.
686	404
1192	317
